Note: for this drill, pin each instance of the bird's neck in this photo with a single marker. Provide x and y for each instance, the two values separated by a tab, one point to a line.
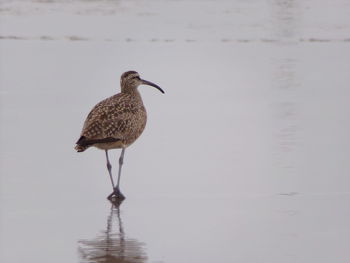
136	94
133	92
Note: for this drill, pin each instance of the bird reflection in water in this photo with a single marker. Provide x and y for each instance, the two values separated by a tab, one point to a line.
112	246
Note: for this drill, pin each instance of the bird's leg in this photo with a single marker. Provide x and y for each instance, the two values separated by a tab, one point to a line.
116	192
121	161
109	167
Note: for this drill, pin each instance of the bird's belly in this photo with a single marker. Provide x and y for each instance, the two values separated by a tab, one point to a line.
110	145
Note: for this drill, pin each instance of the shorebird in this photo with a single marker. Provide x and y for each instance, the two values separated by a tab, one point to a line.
115	123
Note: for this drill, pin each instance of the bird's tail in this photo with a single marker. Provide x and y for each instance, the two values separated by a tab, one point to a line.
80	148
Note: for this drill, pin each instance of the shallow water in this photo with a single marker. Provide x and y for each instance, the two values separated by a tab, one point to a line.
244	158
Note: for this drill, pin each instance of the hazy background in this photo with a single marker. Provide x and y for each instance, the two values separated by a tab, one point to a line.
245	158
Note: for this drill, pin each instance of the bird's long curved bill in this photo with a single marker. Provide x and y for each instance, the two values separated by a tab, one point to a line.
146	82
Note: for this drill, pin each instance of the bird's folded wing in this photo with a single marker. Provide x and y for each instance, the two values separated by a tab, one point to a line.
109	121
83	141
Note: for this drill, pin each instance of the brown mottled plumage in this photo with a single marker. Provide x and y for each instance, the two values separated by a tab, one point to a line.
117	121
121	117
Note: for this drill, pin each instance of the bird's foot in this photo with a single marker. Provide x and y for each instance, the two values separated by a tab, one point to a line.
116	195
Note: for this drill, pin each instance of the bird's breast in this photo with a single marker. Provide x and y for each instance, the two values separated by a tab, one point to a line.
136	125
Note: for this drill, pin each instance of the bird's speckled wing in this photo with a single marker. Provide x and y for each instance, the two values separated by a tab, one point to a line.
115	117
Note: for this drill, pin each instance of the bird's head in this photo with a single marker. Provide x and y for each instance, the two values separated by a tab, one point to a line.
130	80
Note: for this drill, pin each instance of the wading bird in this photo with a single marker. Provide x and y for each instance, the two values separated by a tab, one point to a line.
116	122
